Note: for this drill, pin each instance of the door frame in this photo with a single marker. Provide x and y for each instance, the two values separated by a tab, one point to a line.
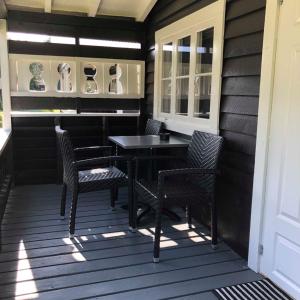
263	132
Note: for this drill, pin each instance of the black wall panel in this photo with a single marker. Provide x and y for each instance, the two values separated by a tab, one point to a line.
35	151
6	177
239	105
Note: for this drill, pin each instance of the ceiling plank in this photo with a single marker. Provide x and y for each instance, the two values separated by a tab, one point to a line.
3	10
48	6
145	11
94	7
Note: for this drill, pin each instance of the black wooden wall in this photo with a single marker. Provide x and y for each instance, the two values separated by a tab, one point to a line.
36	159
108	28
239	104
34	140
6	171
35	151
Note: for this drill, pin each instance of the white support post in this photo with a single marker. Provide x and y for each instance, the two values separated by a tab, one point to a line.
5	80
3	10
94	6
48	6
263	127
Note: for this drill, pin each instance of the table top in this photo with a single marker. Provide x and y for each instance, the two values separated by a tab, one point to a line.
148	142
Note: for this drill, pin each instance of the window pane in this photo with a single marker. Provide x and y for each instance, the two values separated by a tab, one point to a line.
166	96
182	92
183	56
167	60
202	96
204	51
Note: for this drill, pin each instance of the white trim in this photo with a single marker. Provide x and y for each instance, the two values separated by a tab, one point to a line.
212	15
94	7
263	131
146	10
77	92
5	80
71	114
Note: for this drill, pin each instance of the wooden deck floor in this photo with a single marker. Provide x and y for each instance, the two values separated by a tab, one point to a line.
105	261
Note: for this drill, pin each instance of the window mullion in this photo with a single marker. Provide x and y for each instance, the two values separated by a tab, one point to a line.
173	81
192	70
158	92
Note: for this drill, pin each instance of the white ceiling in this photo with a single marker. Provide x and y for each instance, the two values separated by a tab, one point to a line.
138	9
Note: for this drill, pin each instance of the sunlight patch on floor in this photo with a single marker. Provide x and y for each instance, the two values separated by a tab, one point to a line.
182	227
29	286
195	237
168	244
76	244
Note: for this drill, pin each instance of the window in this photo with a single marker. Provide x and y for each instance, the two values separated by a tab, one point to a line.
188	71
107	43
40	38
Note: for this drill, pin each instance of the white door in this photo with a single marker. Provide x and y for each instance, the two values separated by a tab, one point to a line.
281	235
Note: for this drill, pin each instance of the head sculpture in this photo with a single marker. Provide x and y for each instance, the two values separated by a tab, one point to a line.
37	83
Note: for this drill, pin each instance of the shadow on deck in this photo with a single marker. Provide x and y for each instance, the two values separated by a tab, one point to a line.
39	261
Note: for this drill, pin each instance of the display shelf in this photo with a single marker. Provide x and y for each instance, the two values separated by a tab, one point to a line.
62	76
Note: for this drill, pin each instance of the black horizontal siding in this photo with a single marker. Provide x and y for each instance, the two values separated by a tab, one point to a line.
35	152
238	116
108	29
6	178
238	108
80	104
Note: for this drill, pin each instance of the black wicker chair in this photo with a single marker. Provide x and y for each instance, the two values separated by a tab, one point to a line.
191	184
153	127
89	175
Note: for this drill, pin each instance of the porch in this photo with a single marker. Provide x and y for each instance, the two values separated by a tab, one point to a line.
105	260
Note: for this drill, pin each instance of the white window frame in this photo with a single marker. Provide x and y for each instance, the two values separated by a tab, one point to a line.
212	15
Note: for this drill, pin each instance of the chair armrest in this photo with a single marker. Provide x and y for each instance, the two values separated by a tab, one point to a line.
82	149
186	171
157	157
100	160
179	172
139	159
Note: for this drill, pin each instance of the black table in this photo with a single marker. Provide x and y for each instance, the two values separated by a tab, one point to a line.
148	142
151	142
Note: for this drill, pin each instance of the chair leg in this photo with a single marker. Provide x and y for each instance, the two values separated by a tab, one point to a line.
214	226
189	215
132	208
73	214
113	197
156	249
117	194
63	201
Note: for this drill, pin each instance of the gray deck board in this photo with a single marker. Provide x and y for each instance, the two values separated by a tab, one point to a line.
38	260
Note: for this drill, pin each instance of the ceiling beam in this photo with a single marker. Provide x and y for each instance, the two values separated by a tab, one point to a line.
48	6
145	10
3	10
94	7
